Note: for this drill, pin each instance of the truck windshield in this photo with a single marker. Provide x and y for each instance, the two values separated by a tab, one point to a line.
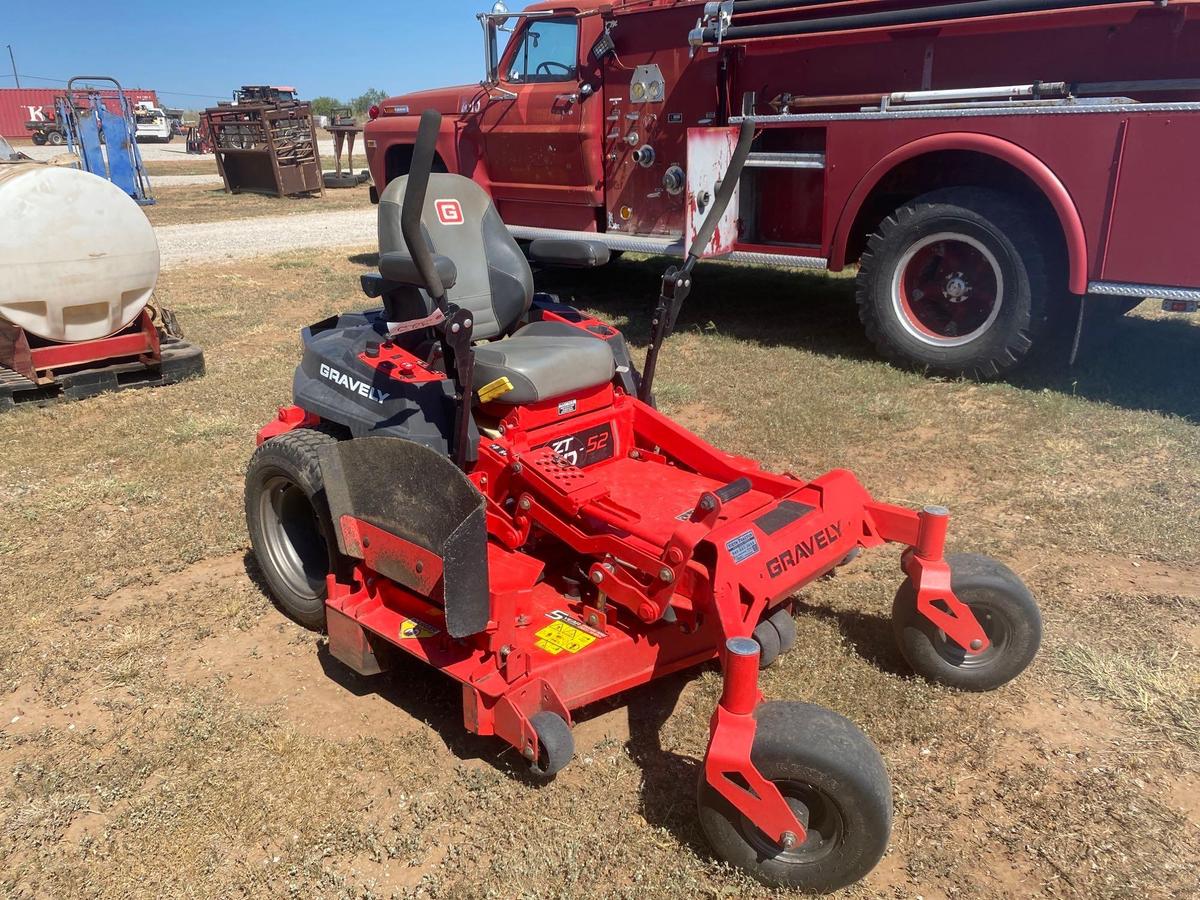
546	51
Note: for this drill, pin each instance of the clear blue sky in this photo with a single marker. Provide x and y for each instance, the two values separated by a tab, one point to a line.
179	48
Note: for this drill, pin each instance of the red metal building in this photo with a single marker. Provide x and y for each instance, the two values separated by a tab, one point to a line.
21	105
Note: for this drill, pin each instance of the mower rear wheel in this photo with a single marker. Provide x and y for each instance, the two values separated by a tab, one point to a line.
556	744
1004	607
289	524
769	643
832	777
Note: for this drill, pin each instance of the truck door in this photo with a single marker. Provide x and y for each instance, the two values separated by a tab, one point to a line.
541	150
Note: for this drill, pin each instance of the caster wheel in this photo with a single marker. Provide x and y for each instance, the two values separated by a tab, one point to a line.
1005	608
556	744
769	643
832	776
783	623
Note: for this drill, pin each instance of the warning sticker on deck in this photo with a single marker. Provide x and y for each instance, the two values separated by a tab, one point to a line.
566	633
415	629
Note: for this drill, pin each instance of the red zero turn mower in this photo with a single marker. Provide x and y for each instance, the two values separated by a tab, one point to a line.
477	475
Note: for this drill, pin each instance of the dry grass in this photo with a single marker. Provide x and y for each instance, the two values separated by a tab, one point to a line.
165	732
210	203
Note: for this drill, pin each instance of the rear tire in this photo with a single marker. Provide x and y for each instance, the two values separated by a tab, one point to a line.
955	283
835	781
56	138
39	139
288	519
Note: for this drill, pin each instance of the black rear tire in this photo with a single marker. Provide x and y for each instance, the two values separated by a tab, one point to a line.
956	283
287	516
832	776
39	138
56	138
1005	608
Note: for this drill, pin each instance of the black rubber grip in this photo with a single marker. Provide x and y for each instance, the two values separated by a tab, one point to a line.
732	490
414	203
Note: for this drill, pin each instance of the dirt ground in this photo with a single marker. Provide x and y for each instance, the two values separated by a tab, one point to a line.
165	731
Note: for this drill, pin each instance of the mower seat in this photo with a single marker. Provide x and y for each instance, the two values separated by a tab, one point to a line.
545	360
493	280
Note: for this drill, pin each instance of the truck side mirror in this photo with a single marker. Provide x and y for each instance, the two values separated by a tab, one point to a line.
491	53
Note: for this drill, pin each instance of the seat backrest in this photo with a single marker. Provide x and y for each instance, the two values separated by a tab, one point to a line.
460	221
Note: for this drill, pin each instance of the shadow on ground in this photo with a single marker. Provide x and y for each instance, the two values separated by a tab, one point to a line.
1134	362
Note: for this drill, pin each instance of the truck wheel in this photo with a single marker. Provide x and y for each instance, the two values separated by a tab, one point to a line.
1004	607
289	524
832	777
39	138
955	283
56	138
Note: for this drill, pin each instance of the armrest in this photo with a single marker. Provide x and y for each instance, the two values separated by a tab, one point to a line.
398	267
570	253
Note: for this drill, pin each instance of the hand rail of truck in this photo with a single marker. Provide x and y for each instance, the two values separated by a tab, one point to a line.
937	111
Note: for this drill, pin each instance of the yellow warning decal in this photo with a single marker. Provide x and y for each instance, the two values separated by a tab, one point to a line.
559	636
415	629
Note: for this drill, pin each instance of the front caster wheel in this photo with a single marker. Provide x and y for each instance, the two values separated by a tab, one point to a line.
832	777
1004	607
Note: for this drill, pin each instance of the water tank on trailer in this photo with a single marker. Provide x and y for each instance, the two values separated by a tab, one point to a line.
78	258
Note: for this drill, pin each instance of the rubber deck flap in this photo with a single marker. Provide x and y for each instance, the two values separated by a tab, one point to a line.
420	496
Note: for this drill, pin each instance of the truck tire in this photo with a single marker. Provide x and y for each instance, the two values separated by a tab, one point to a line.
955	283
56	138
39	138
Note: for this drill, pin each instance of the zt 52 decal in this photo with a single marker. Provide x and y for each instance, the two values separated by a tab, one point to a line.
585	447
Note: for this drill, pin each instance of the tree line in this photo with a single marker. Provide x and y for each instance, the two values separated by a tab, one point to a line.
324	106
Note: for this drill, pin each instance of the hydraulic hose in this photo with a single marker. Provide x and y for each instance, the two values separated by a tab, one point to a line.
918	15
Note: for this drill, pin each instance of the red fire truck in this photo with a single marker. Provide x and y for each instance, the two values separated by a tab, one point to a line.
993	167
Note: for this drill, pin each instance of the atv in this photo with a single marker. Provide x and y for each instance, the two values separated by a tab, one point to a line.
477	475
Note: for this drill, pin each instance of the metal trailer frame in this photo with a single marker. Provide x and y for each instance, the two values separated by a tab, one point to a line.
268	148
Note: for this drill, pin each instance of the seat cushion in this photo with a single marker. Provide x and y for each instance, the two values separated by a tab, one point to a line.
543	363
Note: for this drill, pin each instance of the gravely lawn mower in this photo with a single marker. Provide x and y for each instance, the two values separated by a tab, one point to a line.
517	514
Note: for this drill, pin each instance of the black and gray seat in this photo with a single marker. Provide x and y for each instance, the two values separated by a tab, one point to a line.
484	271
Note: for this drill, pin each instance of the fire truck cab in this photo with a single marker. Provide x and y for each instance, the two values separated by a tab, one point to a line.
992	168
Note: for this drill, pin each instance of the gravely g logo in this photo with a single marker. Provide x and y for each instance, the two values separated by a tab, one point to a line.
353	384
777	565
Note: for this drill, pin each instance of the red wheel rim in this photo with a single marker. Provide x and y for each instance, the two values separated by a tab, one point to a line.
947	289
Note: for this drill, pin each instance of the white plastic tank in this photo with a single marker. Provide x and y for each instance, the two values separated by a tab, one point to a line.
78	258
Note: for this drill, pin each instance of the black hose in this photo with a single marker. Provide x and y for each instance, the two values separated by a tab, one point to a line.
946	12
728	185
414	204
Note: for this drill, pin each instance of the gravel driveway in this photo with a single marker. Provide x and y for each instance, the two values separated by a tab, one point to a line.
177	150
187	244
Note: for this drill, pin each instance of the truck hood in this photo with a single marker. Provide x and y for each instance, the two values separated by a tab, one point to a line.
449	101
